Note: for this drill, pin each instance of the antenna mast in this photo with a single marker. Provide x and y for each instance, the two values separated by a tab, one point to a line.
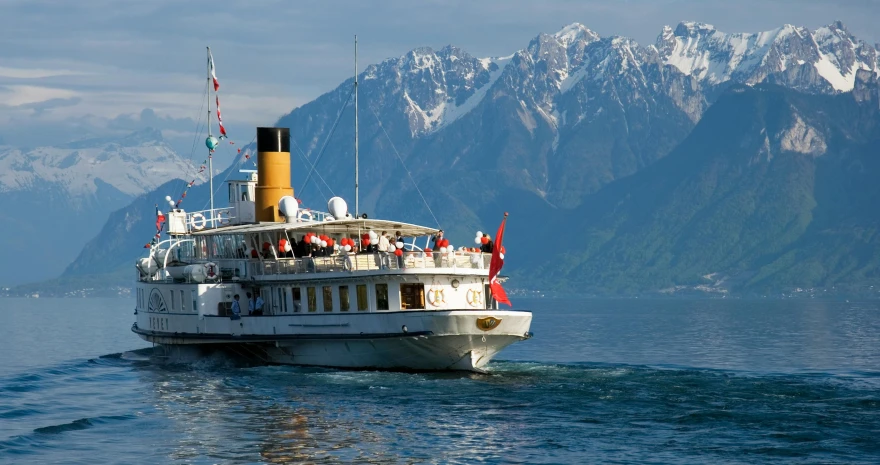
210	155
356	193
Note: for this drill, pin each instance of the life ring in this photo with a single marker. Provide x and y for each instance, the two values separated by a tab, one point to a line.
210	270
302	214
223	219
198	221
436	297
474	298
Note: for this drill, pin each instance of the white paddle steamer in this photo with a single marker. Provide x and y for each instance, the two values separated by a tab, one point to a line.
416	308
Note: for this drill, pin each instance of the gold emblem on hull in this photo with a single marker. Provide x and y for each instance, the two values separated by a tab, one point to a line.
488	323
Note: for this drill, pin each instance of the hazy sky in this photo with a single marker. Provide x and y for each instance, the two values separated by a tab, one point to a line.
69	69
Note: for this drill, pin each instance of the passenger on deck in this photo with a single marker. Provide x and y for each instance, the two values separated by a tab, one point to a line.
384	262
255	306
488	246
398	239
293	246
267	250
436	247
236	308
302	248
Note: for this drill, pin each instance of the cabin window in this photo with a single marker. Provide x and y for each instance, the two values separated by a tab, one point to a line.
487	293
282	300
244	193
182	302
173	302
328	298
194	300
297	299
343	299
312	297
232	194
381	297
412	296
363	304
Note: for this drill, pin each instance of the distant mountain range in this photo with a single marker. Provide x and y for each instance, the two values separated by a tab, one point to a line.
599	147
56	198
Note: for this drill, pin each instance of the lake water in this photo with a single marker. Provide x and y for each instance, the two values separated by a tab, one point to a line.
626	381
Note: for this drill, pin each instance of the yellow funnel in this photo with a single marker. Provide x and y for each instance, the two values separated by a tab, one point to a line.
273	172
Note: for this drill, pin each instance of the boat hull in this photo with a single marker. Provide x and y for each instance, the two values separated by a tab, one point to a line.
450	340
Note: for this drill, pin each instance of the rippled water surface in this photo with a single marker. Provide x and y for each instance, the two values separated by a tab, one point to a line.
602	381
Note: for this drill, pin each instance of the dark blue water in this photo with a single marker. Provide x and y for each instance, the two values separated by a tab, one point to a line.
602	381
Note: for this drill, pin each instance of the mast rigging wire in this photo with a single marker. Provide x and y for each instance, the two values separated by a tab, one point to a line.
404	167
309	163
327	140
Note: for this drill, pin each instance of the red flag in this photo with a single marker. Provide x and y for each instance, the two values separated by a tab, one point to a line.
495	266
160	219
213	73
219	118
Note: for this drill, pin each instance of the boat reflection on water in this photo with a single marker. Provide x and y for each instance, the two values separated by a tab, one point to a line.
222	411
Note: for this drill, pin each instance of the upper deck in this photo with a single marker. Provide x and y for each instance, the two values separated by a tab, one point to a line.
271	251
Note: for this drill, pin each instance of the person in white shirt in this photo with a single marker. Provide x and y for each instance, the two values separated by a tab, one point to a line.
255	306
383	250
236	309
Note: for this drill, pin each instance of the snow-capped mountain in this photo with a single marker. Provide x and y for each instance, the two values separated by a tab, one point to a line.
132	165
824	60
540	130
56	198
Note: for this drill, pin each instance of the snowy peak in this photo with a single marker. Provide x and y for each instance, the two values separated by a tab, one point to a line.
574	33
822	61
434	88
134	164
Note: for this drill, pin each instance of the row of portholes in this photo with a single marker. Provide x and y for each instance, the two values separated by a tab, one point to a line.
159	323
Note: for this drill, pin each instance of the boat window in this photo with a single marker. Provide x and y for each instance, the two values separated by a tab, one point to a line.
282	300
182	302
297	299
328	298
343	299
412	296
490	302
244	193
173	302
194	297
381	297
362	298
312	297
232	193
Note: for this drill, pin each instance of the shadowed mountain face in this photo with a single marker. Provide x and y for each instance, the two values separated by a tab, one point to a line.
554	131
772	190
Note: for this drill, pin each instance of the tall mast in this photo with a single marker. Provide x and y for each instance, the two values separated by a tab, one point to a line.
210	155
356	194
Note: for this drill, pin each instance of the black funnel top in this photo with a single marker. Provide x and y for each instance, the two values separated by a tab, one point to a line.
273	140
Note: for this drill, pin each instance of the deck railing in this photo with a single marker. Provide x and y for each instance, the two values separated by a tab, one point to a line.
371	262
234	269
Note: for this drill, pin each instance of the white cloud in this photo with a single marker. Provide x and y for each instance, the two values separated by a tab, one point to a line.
22	95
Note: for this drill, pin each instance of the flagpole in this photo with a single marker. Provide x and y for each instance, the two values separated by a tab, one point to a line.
210	155
356	170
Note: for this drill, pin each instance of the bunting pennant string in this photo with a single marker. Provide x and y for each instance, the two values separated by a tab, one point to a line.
183	195
220	120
